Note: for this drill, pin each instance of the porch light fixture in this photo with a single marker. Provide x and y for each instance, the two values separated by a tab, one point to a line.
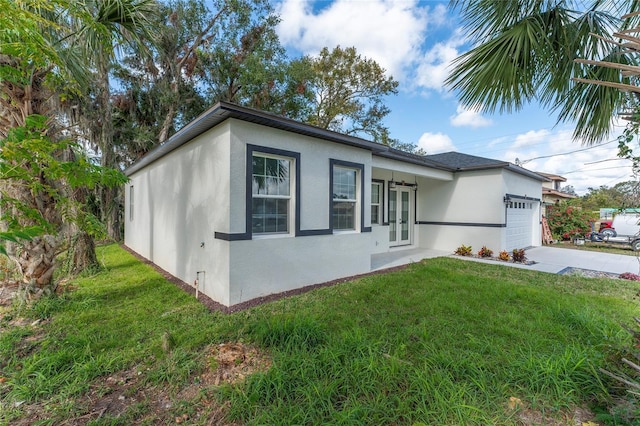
506	199
392	183
415	185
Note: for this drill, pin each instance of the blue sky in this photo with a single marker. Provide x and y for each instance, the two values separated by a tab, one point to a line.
415	41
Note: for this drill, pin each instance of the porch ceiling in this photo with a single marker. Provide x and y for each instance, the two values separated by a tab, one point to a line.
413	169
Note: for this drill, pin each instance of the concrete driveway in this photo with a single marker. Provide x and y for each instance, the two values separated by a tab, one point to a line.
554	260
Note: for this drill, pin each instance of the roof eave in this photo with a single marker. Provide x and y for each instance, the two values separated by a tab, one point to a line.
508	166
390	154
224	110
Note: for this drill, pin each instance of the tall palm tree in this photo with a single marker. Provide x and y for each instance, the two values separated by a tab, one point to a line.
524	51
100	27
42	60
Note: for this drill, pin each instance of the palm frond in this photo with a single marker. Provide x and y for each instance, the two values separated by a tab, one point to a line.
500	73
593	107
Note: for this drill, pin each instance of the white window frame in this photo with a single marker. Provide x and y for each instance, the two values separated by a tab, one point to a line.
290	198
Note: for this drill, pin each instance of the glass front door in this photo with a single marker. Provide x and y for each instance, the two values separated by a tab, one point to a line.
399	216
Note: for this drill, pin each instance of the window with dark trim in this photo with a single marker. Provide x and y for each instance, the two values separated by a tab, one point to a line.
271	195
346	182
376	203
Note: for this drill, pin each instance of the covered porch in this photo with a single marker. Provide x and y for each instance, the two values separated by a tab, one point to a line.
398	202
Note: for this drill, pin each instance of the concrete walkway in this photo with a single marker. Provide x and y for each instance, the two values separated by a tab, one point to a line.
548	259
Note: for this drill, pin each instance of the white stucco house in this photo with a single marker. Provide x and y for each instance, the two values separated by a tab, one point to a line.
252	204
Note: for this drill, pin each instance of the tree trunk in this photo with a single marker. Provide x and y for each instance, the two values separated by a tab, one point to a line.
110	207
111	212
37	260
81	247
83	253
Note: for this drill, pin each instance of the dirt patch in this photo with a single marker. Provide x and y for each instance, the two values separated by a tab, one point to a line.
235	361
526	415
126	396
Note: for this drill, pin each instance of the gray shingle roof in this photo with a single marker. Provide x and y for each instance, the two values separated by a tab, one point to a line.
459	161
450	161
465	162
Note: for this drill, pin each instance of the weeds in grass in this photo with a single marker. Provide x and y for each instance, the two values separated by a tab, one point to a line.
175	369
440	342
289	332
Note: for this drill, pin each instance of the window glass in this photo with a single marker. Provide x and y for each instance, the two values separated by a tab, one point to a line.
344	215
271	194
344	183
344	198
375	203
271	176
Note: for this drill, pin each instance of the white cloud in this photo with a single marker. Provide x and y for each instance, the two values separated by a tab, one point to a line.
555	151
434	143
387	31
433	67
532	138
469	118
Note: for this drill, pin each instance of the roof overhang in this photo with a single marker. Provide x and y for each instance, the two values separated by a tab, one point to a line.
224	110
506	166
525	172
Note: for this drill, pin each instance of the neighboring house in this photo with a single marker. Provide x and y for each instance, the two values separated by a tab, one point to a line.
551	190
251	204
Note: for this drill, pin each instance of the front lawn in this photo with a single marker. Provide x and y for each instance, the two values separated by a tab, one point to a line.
444	341
600	247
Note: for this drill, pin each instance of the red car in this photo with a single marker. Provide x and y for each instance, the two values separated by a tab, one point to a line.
606	228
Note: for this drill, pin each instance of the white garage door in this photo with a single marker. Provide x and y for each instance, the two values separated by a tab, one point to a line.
520	223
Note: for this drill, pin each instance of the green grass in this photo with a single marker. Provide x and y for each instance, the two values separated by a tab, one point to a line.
599	247
444	341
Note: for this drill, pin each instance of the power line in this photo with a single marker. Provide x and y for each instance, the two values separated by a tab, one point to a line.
519	163
618	178
604	161
593	170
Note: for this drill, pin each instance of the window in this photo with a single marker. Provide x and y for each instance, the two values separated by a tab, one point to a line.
345	198
131	202
271	194
376	191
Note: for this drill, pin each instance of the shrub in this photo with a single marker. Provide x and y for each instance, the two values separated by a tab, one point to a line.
504	256
485	252
567	221
463	250
518	255
629	276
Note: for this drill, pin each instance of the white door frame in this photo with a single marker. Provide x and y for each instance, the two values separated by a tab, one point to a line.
400	216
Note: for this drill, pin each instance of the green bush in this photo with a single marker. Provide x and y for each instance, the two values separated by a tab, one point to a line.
567	221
